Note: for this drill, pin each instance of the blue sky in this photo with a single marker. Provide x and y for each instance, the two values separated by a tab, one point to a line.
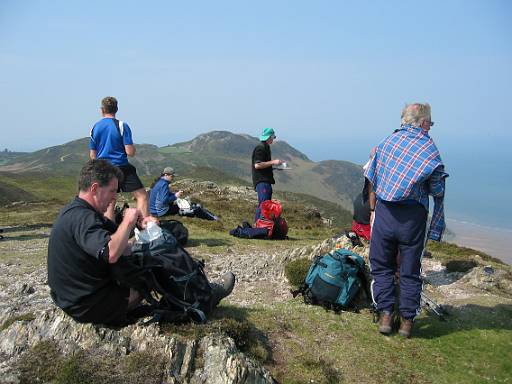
330	76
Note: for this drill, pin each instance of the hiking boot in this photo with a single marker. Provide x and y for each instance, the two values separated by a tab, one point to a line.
223	287
405	327
385	323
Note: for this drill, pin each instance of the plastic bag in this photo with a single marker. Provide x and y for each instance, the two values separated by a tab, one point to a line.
150	233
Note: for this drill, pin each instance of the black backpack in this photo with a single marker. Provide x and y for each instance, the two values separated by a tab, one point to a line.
174	284
178	230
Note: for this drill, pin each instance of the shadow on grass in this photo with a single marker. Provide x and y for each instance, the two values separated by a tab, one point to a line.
27	227
468	317
26	237
208	242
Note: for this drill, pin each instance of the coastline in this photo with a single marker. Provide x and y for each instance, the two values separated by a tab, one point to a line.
491	240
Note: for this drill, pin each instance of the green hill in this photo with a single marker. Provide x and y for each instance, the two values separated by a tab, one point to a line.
224	154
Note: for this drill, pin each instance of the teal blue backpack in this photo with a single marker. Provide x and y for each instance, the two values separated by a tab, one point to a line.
334	280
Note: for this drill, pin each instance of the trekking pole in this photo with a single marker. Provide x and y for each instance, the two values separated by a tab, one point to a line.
433	307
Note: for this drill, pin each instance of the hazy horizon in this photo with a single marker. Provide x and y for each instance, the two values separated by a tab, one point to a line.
479	203
330	77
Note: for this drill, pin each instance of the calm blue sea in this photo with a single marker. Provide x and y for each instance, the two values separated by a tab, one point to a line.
477	203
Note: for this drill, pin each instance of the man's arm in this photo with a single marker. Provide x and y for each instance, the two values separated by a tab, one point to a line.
130	150
436	185
372	198
119	240
436	182
267	164
92	154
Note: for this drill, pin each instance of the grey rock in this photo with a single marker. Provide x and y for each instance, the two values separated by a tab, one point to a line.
222	362
489	279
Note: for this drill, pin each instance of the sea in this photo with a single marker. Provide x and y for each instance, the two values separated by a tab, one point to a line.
478	206
494	241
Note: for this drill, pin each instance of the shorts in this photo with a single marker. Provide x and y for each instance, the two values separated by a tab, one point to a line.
131	181
111	308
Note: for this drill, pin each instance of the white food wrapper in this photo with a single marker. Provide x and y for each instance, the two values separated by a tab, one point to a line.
152	232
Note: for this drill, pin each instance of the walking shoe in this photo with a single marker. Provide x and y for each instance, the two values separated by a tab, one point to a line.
405	327
385	323
223	287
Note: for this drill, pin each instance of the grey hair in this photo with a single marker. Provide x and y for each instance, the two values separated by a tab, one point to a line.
415	114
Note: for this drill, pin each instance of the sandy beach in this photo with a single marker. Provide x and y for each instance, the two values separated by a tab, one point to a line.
491	240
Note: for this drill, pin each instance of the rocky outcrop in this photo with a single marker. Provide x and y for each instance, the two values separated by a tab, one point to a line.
221	361
326	246
28	317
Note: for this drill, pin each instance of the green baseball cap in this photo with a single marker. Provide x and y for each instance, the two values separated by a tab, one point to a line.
267	133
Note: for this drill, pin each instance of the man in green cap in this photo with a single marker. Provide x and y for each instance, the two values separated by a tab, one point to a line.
262	173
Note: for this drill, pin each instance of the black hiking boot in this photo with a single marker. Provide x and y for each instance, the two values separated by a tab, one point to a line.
222	288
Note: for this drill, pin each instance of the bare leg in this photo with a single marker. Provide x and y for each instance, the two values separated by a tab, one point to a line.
142	201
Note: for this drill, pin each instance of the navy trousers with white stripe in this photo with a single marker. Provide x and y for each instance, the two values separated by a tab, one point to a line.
397	229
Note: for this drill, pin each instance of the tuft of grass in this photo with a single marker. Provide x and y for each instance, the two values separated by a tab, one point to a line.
296	271
323	369
233	322
74	371
460	265
88	367
24	317
33	367
139	366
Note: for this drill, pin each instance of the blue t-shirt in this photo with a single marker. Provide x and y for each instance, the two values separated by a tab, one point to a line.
108	141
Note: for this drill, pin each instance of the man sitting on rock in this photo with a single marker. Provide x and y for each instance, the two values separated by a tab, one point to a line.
83	243
163	202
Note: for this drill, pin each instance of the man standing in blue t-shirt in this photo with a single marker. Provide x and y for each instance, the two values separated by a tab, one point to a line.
111	140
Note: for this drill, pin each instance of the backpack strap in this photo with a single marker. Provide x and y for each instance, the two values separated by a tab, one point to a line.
119	125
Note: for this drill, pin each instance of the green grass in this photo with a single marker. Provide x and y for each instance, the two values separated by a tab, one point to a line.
11	320
45	187
296	271
312	344
87	367
297	343
174	150
303	344
448	252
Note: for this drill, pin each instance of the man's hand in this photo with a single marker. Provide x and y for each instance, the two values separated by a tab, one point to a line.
132	216
178	194
143	222
277	162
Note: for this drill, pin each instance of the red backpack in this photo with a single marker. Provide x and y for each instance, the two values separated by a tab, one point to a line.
271	220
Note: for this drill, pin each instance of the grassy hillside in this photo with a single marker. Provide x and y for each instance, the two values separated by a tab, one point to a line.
224	152
296	342
41	195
